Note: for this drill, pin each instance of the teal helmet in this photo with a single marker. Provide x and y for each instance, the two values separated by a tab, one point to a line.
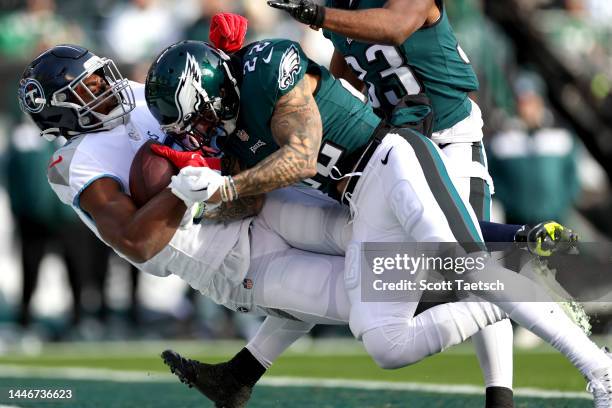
191	82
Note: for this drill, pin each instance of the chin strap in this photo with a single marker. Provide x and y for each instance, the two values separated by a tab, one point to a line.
51	134
113	123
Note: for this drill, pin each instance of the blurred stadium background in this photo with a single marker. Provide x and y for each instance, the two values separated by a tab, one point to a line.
73	315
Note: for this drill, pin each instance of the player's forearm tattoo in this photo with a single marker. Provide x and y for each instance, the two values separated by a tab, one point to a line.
296	127
236	210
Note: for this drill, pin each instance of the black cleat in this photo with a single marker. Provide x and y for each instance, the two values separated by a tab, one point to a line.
215	381
499	397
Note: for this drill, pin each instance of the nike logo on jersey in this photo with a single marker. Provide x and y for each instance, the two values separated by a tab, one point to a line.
56	161
269	57
152	135
386	159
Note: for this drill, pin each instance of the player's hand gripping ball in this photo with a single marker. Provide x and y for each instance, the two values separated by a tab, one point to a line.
196	185
186	159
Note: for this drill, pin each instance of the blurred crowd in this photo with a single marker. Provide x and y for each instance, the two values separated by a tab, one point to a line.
540	168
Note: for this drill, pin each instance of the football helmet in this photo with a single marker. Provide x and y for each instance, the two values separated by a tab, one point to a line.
53	90
193	93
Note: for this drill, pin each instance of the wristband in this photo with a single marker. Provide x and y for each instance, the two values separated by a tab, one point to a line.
232	185
319	17
223	191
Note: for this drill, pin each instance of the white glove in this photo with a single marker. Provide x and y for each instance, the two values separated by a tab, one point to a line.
196	184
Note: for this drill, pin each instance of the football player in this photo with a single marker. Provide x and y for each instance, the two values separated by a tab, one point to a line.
400	51
242	264
399	48
295	123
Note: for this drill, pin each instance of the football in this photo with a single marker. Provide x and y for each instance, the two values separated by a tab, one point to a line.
149	174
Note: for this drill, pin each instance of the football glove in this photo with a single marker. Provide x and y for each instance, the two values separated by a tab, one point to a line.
196	185
227	31
303	11
547	238
186	159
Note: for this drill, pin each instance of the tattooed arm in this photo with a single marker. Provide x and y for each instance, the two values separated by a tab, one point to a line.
237	210
297	129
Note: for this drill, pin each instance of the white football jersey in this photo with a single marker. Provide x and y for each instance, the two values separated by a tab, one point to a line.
212	257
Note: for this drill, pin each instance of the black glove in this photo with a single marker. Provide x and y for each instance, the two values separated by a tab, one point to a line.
303	11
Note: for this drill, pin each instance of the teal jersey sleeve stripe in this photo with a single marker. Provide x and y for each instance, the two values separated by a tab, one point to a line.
445	193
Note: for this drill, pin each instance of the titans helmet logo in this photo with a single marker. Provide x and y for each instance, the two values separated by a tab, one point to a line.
31	96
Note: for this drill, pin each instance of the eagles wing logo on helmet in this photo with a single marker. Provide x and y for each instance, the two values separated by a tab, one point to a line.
289	68
31	96
189	92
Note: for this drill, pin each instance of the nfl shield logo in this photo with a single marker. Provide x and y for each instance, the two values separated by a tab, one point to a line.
247	283
242	135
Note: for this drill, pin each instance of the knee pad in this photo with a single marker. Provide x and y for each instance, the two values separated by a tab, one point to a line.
393	346
380	349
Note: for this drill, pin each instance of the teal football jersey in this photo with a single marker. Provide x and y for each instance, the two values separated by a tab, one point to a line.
271	69
429	61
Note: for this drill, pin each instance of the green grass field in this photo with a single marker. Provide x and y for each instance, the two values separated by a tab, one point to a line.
336	374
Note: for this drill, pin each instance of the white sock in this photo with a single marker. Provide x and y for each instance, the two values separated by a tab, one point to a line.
494	349
275	335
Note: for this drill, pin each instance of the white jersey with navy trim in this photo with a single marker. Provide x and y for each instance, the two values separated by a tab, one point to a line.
212	257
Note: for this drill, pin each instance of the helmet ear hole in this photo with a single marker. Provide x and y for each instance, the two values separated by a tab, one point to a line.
61	97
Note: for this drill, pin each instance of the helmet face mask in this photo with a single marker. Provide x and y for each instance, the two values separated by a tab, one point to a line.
204	135
67	91
191	91
78	96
